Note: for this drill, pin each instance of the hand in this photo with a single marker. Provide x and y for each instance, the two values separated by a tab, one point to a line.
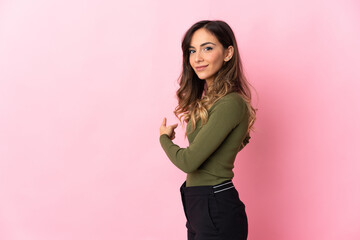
168	130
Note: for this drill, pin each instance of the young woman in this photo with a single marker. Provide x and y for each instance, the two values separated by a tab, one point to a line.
215	101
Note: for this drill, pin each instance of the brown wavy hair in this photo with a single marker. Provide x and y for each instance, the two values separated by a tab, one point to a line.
194	99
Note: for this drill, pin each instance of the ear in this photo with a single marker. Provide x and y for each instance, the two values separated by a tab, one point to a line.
229	52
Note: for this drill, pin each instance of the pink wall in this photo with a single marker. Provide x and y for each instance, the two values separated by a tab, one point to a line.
84	86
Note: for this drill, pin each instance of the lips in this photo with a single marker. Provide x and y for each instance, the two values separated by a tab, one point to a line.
200	68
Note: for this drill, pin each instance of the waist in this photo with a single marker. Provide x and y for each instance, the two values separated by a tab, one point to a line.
207	189
205	177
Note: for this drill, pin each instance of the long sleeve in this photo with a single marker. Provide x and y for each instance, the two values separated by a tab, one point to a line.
223	118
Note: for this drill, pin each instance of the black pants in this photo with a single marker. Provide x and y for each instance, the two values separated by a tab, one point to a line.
214	212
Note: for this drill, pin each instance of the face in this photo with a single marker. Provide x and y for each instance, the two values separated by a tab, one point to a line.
207	55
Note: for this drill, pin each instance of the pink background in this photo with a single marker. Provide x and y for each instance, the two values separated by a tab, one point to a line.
84	86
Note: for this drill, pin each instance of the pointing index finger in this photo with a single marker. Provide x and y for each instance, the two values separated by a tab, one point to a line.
164	121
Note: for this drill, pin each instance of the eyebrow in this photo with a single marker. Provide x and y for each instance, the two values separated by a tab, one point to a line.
204	44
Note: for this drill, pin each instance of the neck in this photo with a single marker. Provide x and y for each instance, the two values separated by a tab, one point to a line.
208	85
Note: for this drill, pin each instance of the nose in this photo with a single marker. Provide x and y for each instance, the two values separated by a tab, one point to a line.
198	57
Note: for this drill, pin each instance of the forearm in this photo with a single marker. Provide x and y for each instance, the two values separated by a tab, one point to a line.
177	155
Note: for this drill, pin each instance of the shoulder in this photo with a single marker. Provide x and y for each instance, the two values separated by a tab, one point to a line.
231	100
231	104
234	97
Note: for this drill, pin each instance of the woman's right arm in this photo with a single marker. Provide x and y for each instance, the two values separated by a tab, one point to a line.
223	119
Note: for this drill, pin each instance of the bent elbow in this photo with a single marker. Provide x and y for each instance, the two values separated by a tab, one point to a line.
189	169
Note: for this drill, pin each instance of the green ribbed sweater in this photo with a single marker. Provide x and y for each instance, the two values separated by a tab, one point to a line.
209	158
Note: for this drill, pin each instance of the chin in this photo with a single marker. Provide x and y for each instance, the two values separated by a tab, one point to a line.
202	77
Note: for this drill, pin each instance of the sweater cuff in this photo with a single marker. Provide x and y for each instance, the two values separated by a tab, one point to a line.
165	140
163	136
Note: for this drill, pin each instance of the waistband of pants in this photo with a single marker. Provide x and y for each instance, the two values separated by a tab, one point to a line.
205	190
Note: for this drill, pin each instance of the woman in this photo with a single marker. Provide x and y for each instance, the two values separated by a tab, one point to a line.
215	101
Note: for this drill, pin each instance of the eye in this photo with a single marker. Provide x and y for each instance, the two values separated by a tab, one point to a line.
191	51
208	48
